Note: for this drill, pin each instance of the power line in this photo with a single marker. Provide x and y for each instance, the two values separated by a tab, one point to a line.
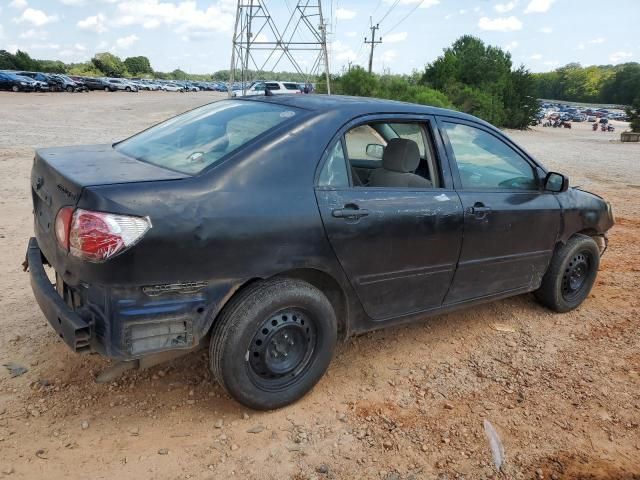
403	18
393	5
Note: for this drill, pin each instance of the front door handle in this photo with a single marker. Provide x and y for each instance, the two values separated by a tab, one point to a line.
350	211
479	209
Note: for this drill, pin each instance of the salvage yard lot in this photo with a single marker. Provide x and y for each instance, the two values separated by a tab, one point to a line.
562	390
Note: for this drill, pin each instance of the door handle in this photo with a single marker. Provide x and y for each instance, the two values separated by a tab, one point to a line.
479	209
350	211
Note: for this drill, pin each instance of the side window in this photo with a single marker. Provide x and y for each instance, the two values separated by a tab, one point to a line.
486	162
410	131
391	154
334	172
357	139
273	86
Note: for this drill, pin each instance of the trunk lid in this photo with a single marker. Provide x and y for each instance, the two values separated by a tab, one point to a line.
59	174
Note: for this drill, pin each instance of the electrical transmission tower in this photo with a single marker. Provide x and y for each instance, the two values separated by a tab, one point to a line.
259	45
373	42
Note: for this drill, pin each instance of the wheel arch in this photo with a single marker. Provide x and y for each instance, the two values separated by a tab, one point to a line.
330	287
323	281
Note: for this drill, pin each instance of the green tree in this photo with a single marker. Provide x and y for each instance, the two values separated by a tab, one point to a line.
109	64
24	62
51	66
633	112
520	103
479	80
623	87
7	61
178	74
138	65
357	82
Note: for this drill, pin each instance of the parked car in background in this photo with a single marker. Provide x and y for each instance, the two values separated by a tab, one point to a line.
59	83
139	85
172	87
95	83
16	83
149	85
121	84
42	82
277	88
578	117
187	233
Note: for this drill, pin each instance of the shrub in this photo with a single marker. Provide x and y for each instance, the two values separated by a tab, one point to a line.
633	112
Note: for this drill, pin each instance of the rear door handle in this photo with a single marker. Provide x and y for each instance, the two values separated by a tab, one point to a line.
479	209
349	212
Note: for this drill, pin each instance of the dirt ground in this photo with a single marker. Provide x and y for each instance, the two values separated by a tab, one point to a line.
562	391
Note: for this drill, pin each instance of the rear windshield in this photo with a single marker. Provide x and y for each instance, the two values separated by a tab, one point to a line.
193	141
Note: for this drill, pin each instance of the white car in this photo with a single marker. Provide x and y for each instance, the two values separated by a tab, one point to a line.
170	87
277	88
121	84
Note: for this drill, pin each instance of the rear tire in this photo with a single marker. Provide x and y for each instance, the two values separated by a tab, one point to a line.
273	342
571	274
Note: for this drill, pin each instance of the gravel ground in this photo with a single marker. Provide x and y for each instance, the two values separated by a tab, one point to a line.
562	391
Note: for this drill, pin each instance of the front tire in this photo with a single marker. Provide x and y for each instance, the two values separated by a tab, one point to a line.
70	89
15	88
273	342
571	274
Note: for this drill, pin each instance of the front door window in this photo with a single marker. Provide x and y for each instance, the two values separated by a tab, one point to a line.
486	162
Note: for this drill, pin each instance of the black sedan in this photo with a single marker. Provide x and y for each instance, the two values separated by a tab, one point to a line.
267	228
16	83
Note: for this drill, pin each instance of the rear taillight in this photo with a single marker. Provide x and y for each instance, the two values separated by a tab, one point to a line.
63	222
98	236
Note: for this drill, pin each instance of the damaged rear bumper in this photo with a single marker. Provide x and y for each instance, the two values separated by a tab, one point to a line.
124	322
75	331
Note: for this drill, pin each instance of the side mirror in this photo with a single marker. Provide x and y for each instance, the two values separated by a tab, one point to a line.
556	182
375	150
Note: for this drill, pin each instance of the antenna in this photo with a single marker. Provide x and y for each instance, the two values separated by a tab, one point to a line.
260	45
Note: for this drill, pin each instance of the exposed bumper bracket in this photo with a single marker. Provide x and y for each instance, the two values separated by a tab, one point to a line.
67	323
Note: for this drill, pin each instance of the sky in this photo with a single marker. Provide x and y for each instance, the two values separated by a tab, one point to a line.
196	35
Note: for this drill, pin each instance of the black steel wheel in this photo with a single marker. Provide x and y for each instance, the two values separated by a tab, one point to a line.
576	275
272	342
571	274
281	349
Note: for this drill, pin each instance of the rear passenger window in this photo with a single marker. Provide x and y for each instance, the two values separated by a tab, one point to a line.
393	155
273	86
334	172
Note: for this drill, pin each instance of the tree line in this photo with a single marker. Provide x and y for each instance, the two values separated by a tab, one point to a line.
619	84
106	64
469	76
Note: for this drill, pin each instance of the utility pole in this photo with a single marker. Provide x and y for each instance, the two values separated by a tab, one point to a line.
373	42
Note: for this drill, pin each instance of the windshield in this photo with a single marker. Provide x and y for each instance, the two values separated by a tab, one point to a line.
197	139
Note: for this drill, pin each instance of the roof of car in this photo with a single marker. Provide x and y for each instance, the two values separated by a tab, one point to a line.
355	105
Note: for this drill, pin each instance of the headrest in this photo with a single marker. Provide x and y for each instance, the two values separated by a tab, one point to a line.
401	155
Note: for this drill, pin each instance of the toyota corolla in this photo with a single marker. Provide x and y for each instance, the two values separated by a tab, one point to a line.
268	228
